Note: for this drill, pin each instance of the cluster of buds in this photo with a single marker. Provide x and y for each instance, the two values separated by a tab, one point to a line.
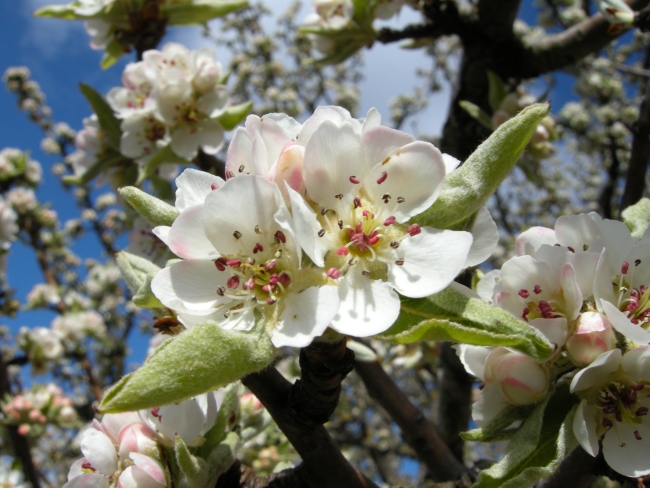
30	97
16	167
584	287
33	410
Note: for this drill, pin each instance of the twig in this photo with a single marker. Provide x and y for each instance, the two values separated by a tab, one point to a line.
577	470
417	430
413	31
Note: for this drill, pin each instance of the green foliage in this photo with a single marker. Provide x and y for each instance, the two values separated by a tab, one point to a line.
538	447
57	12
453	316
234	115
108	122
637	217
501	427
498	90
104	162
136	271
112	53
477	113
154	211
228	410
469	187
200	359
200	11
162	156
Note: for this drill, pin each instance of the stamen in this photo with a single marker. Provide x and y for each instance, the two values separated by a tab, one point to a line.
607	423
214	186
394	244
354	180
343	251
625	267
221	291
641	411
386	198
269	265
233	282
323	211
637	436
258	230
537	289
221	263
233	263
340	222
242	168
357	202
258	248
236	234
400	200
523	293
270	301
229	174
637	262
399	262
365	272
280	237
571	249
382	178
334	273
339	196
585	247
321	233
87	465
414	230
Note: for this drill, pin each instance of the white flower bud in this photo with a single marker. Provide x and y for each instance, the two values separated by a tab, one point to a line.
521	379
592	337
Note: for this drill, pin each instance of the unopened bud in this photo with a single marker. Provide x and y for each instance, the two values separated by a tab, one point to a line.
521	379
592	337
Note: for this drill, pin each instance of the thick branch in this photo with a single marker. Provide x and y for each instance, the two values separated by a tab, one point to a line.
418	432
413	31
241	476
578	470
498	16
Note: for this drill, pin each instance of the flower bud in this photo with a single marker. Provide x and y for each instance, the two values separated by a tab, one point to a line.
592	337
289	168
138	438
521	379
499	117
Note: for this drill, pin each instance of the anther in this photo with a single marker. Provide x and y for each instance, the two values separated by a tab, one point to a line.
637	262
233	282
641	411
389	221
365	272
523	293
340	222
321	233
258	230
637	436
258	248
270	301
382	178
357	202
221	291
625	267
229	174
607	423
394	244
214	186
241	168
233	263
280	237
339	196
400	200
537	289
585	247
269	265
236	234
323	211
571	249
414	230
386	198
399	262
354	180
343	251
334	273
221	264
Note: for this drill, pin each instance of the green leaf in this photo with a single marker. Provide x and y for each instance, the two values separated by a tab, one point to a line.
452	316
200	11
538	447
144	298
497	90
468	188
135	270
500	429
154	211
637	217
112	53
200	359
229	408
233	116
477	113
57	12
163	155
108	122
102	163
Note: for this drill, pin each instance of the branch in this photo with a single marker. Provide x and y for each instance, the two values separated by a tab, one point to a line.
577	470
412	31
418	432
241	476
324	466
497	17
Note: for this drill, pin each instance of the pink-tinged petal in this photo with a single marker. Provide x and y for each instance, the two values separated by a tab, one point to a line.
240	153
332	155
88	481
368	307
113	423
571	291
451	163
597	372
135	477
306	315
414	172
489	404
485	238
626	448
186	237
531	240
473	358
555	330
76	468
193	187
289	168
431	260
332	114
622	324
290	127
578	231
585	428
636	363
185	420
381	142
261	158
485	287
137	437
232	213
162	233
190	286
275	139
372	120
99	450
307	227
617	239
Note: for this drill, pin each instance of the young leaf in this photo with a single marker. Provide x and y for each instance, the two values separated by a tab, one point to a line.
539	445
500	428
469	187
163	155
144	298
227	412
232	116
105	161
155	211
497	90
200	359
477	113
135	270
112	53
637	217
108	122
452	316
57	12
200	11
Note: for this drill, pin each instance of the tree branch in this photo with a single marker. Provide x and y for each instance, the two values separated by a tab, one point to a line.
412	31
418	432
577	470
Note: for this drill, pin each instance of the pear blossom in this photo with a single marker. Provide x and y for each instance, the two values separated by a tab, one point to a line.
363	183
615	392
10	477
88	142
8	225
240	259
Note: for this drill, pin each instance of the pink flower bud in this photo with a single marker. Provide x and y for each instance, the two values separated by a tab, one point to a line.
24	429
289	168
147	473
521	379
138	438
592	337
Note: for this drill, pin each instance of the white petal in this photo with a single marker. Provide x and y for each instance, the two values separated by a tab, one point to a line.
332	156
134	477
571	291
532	239
333	114
624	453
186	237
162	233
99	451
577	231
372	120
88	481
307	227
239	206
489	404
636	363
602	289
150	466
240	152
485	238
623	325
368	307
432	259
555	330
414	172
585	428
473	358
380	142
451	163
306	315
190	286
597	372
185	419
485	287
193	187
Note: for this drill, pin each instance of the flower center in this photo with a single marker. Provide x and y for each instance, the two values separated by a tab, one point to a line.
546	309
618	403
635	301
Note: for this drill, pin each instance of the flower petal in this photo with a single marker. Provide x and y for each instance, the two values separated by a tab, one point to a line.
597	372
623	325
585	428
489	404
485	238
626	454
529	241
306	228
473	358
240	152
636	363
332	114
306	315
193	186
186	237
414	172
485	287
432	259
380	142
88	481
100	452
368	307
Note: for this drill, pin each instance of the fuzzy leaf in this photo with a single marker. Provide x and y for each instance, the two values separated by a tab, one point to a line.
539	445
144	298
112	53
108	122
57	12
233	116
452	316
229	408
192	469
468	188
500	429
637	217
477	113
200	11
200	359
497	90
103	162
154	211
135	270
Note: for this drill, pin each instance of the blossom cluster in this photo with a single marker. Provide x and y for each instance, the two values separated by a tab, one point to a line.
312	230
46	404
127	449
585	287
